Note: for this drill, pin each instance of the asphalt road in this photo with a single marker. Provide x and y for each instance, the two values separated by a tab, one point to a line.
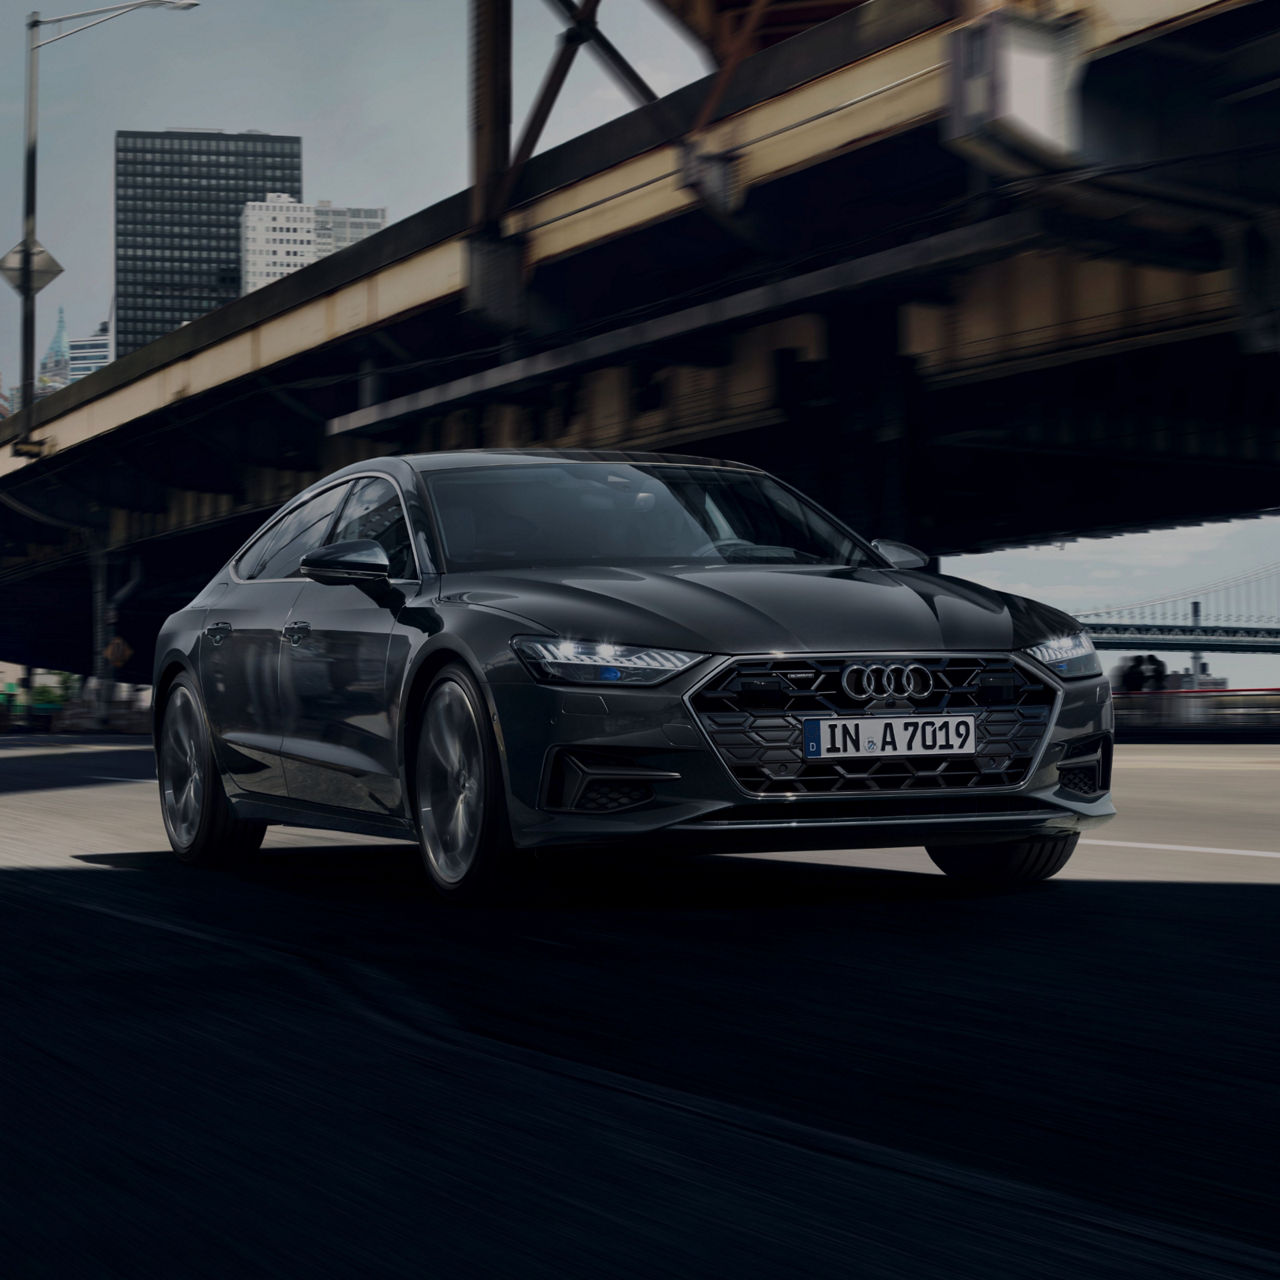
845	1066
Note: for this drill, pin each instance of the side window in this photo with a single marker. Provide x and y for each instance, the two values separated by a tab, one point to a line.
248	563
374	510
295	535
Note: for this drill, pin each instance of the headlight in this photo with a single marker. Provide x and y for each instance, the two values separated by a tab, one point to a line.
589	662
1070	657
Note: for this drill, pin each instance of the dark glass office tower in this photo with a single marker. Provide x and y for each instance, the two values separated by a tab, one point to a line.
179	195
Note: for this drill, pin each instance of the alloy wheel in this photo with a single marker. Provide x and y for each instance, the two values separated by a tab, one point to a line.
180	755
450	782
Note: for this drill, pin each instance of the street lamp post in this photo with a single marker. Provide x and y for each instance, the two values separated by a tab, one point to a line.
28	286
28	371
27	283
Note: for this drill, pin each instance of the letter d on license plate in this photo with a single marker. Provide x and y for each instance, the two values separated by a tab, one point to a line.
889	736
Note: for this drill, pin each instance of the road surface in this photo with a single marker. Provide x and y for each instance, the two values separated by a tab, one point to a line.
843	1066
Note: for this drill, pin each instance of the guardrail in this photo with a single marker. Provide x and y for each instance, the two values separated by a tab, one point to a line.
1251	713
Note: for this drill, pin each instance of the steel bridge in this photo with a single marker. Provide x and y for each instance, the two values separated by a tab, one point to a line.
1240	614
850	254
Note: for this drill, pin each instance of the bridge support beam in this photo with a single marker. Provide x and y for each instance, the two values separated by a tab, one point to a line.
98	564
490	107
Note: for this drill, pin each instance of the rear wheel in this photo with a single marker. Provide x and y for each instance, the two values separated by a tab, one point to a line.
1018	862
459	799
198	818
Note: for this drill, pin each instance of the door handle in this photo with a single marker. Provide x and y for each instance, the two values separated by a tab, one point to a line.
217	631
295	632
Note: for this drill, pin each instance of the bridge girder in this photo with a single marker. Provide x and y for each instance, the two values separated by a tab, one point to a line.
718	25
1185	639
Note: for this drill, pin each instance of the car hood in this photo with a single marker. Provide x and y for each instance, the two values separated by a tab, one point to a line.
754	609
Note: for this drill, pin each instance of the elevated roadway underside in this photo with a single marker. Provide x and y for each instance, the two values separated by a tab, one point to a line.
963	360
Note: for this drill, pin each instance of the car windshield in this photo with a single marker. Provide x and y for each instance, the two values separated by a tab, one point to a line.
630	514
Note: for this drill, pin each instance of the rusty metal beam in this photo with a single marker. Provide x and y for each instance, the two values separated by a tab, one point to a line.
573	38
490	104
741	46
612	58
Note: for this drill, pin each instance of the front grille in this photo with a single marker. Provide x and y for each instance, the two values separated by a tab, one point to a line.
752	711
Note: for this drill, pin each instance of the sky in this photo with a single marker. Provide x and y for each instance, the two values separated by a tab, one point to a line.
377	90
1094	573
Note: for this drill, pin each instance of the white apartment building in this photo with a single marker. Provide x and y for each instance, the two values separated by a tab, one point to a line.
278	235
336	228
88	355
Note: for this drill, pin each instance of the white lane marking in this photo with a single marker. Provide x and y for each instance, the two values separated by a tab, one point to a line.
1150	764
1183	848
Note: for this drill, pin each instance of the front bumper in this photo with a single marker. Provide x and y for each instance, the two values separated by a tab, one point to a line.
586	766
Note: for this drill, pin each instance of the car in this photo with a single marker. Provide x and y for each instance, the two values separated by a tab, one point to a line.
500	652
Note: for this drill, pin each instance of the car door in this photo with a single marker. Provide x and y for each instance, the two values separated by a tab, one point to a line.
240	651
339	747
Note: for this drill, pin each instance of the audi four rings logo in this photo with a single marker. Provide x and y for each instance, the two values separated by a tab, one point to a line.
896	681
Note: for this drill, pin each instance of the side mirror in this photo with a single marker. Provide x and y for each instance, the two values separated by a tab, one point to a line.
356	562
899	554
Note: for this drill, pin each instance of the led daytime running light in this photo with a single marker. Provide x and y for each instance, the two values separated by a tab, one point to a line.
1063	648
599	662
1071	657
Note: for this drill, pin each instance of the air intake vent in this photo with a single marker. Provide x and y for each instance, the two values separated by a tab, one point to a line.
1086	767
585	781
1082	779
602	796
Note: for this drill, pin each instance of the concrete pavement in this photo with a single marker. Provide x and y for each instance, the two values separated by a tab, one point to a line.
844	1066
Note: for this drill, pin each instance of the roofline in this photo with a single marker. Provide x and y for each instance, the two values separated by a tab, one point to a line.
206	133
451	459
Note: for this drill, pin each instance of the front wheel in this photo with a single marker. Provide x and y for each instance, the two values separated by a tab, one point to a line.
198	818
1018	862
459	799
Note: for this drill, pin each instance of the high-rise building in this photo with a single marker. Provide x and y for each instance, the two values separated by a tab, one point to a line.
55	368
87	355
179	196
279	234
337	228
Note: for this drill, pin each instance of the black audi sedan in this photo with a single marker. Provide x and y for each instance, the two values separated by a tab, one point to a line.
496	652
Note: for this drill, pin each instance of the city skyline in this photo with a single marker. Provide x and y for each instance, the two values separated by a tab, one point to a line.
357	98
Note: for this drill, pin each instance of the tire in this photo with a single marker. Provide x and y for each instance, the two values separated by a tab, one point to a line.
198	818
1018	862
459	801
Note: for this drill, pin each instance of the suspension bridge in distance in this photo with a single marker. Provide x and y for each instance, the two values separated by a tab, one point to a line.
1240	614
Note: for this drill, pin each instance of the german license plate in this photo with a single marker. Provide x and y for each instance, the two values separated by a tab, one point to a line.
889	736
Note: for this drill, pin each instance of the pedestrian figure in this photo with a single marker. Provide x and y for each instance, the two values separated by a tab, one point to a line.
1134	676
